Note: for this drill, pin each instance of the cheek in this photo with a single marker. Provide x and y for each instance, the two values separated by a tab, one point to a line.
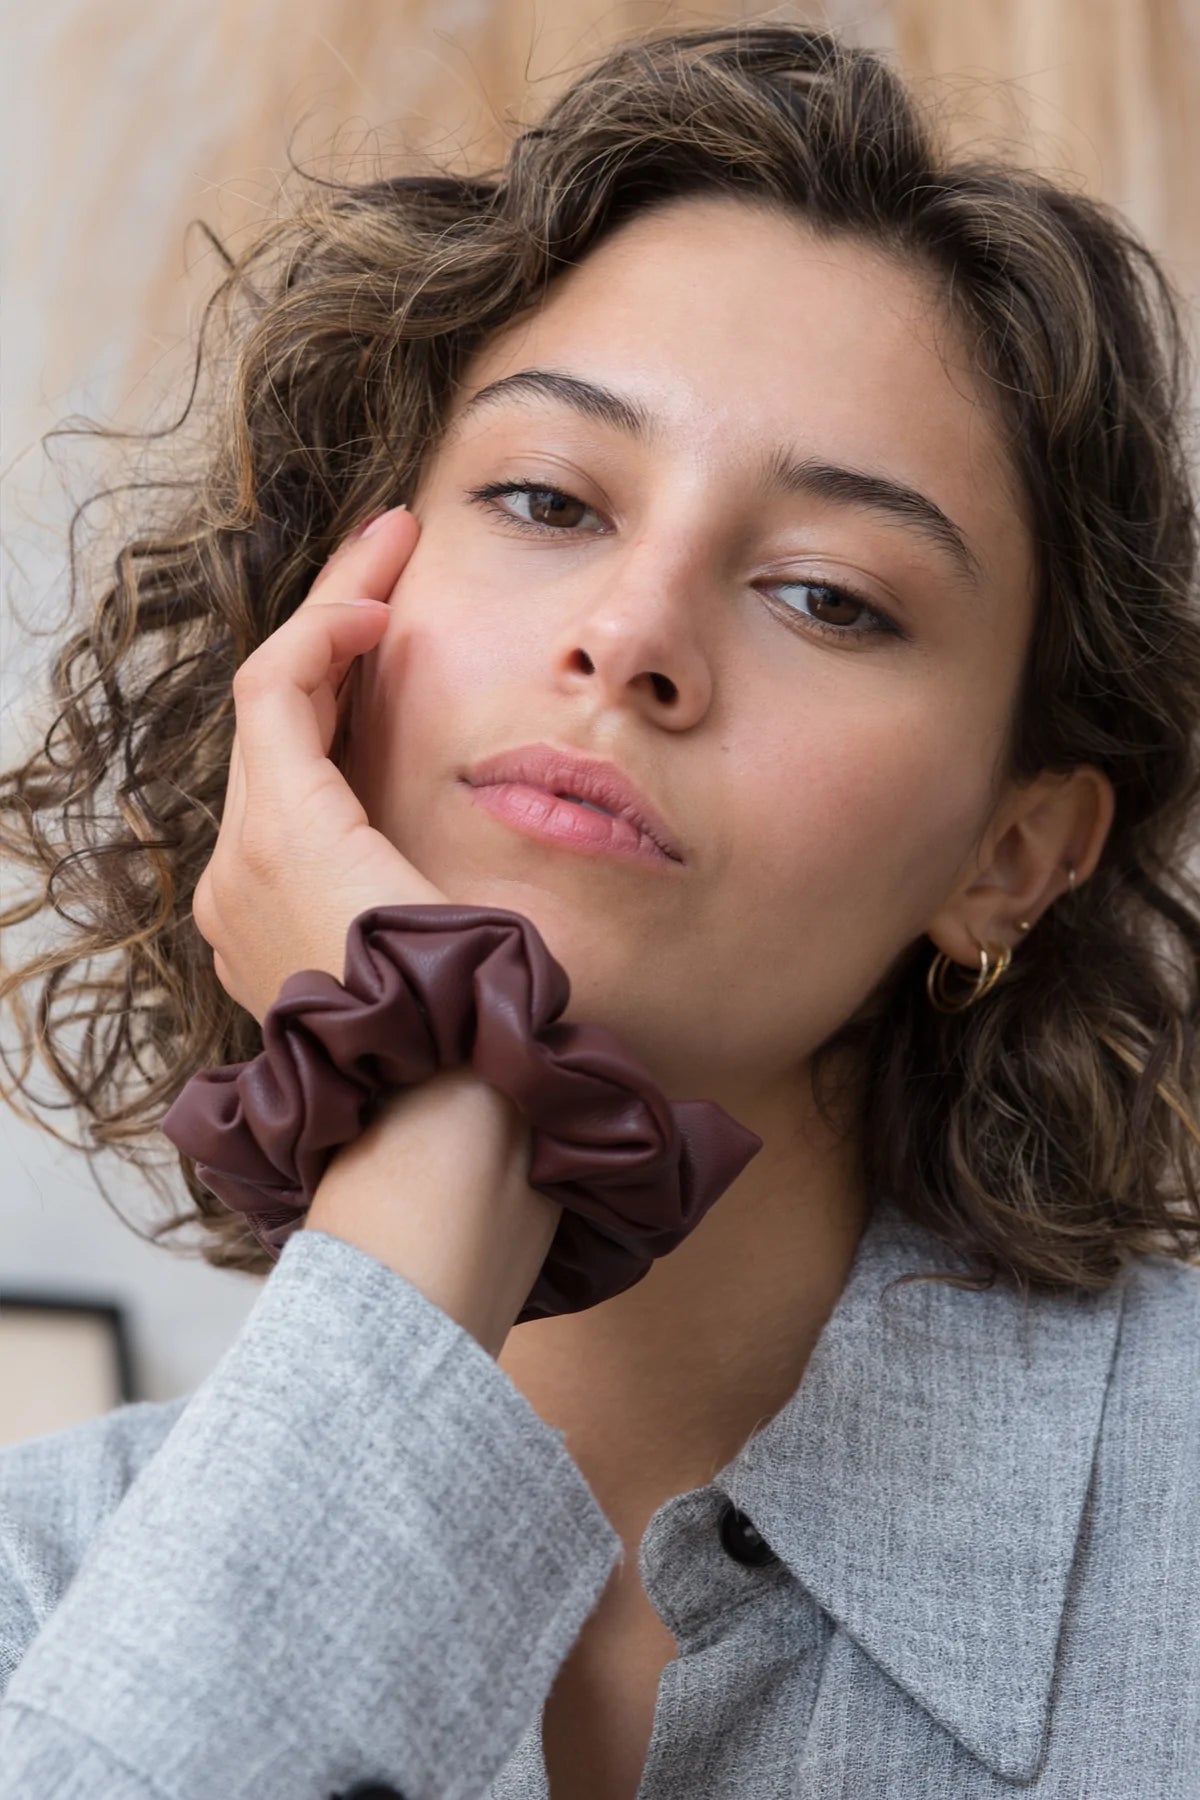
863	822
446	650
457	615
847	841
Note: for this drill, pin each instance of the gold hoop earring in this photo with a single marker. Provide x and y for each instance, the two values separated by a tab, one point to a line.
985	981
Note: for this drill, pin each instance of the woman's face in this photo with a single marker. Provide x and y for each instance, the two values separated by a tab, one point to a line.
809	675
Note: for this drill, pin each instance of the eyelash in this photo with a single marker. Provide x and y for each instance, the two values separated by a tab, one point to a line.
883	625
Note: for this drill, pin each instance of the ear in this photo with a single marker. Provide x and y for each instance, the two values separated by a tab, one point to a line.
1041	830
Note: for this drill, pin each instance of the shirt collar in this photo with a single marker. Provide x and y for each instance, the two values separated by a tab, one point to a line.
926	1481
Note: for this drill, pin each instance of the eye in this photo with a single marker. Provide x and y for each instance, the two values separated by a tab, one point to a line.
553	512
550	509
836	598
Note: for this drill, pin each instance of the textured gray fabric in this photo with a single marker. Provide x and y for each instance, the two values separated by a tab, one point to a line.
357	1552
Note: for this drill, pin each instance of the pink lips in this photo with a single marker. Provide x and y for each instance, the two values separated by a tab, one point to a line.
538	788
544	815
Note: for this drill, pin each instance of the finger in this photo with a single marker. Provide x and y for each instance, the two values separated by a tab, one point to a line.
366	567
349	574
235	792
279	734
369	566
344	699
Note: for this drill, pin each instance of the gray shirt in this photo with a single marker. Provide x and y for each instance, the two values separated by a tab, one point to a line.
356	1553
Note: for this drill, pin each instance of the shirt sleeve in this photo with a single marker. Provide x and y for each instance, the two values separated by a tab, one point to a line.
359	1554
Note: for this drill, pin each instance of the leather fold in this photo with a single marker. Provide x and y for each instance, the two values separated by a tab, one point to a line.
428	988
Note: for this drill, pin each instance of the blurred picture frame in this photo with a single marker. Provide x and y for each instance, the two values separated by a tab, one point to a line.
64	1358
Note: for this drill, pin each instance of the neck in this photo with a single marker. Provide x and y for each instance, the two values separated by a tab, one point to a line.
659	1387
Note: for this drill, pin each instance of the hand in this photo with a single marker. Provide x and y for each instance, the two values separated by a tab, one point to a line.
296	859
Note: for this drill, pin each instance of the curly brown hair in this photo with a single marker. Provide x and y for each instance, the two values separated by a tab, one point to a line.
1047	1133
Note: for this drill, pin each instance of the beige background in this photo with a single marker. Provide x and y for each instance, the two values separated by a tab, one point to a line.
122	123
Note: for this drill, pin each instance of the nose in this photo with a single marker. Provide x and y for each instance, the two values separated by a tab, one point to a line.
638	640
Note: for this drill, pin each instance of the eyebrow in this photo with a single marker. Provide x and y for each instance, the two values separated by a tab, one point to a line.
780	473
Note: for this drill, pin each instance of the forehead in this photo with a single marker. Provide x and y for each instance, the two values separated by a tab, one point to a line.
740	327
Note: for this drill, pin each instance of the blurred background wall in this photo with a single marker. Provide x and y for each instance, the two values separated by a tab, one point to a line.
123	125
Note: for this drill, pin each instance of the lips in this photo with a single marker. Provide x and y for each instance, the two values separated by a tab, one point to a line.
569	775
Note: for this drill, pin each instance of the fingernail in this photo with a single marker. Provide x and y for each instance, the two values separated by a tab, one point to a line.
376	523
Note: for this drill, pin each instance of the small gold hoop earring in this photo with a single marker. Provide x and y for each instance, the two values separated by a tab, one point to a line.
985	981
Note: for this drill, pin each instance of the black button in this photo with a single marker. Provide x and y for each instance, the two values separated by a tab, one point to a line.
370	1790
741	1540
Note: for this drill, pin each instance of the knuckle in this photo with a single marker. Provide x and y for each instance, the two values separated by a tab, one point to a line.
249	677
258	848
223	974
203	927
202	909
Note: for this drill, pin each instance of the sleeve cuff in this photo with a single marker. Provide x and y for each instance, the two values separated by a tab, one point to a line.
358	1553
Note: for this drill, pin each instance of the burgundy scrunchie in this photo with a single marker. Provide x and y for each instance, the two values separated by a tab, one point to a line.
434	987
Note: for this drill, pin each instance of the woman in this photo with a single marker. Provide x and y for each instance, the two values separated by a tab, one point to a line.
832	491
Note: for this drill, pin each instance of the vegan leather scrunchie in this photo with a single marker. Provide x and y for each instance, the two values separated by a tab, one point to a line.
428	988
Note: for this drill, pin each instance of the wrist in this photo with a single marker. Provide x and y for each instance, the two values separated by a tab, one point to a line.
436	1189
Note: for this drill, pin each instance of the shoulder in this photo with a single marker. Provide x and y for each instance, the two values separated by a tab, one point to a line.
56	1491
